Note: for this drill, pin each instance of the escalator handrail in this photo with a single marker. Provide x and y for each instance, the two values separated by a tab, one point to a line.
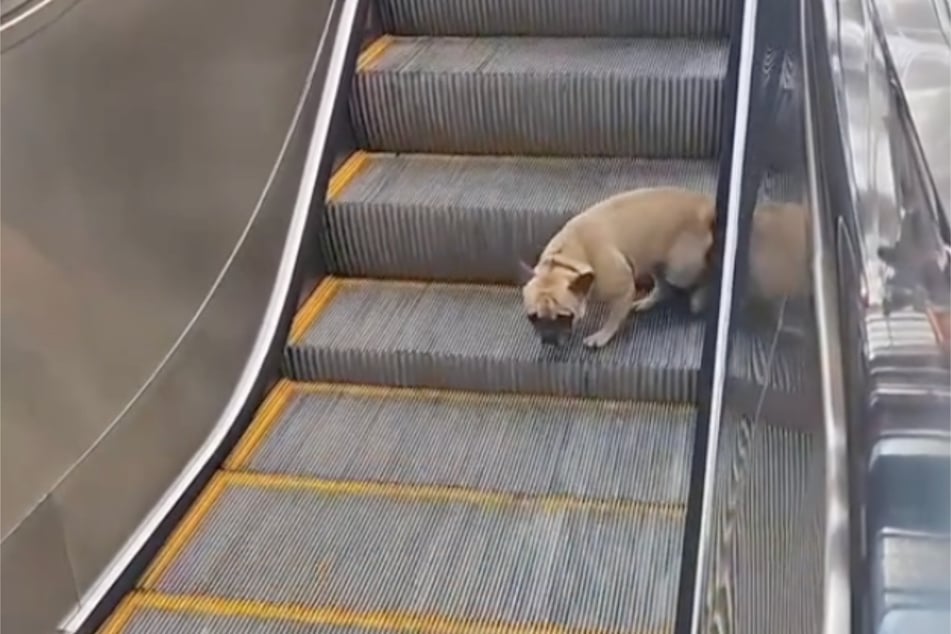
699	518
836	553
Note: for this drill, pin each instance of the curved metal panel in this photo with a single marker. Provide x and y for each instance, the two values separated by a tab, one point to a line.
137	138
140	152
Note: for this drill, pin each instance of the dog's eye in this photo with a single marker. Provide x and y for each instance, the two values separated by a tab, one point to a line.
564	320
533	317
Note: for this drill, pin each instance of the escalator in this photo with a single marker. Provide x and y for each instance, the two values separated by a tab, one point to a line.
425	465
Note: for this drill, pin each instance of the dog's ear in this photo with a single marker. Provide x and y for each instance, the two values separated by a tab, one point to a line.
525	272
581	285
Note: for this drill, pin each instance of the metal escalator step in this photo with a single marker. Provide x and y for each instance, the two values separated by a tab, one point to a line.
590	18
532	445
470	337
428	558
468	218
657	98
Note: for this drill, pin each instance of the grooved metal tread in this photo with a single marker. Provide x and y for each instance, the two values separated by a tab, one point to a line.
533	445
469	218
469	337
550	96
527	562
592	18
268	553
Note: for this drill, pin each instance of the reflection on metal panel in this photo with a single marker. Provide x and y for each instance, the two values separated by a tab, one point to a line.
35	573
138	136
888	86
918	33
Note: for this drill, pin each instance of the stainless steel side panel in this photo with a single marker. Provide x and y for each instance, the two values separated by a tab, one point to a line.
35	572
139	139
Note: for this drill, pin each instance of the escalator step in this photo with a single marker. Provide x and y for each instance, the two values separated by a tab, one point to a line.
468	218
469	337
520	445
591	18
401	552
552	96
264	554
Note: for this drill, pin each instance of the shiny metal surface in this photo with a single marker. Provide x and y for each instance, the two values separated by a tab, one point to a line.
35	572
883	91
774	166
303	170
836	581
918	35
143	223
707	542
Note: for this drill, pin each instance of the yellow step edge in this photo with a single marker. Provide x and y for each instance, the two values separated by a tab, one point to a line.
267	415
222	480
444	494
317	302
382	620
466	396
346	173
120	618
331	285
373	52
270	412
183	532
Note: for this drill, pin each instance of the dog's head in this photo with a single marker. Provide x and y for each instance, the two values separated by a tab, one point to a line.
555	295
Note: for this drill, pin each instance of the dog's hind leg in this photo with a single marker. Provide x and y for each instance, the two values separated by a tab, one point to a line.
659	293
686	262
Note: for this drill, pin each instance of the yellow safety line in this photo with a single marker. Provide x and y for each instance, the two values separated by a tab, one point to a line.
183	532
373	52
434	493
467	396
346	173
386	620
269	412
284	392
119	619
319	300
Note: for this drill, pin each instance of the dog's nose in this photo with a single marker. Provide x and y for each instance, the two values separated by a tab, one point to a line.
551	339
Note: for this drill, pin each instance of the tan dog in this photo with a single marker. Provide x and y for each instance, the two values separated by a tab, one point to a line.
664	232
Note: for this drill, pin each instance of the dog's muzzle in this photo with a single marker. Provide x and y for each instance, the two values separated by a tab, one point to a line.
552	332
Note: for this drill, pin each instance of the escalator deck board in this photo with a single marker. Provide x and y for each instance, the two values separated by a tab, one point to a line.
532	445
469	337
282	541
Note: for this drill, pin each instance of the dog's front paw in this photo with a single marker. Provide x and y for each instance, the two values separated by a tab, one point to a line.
641	305
598	339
